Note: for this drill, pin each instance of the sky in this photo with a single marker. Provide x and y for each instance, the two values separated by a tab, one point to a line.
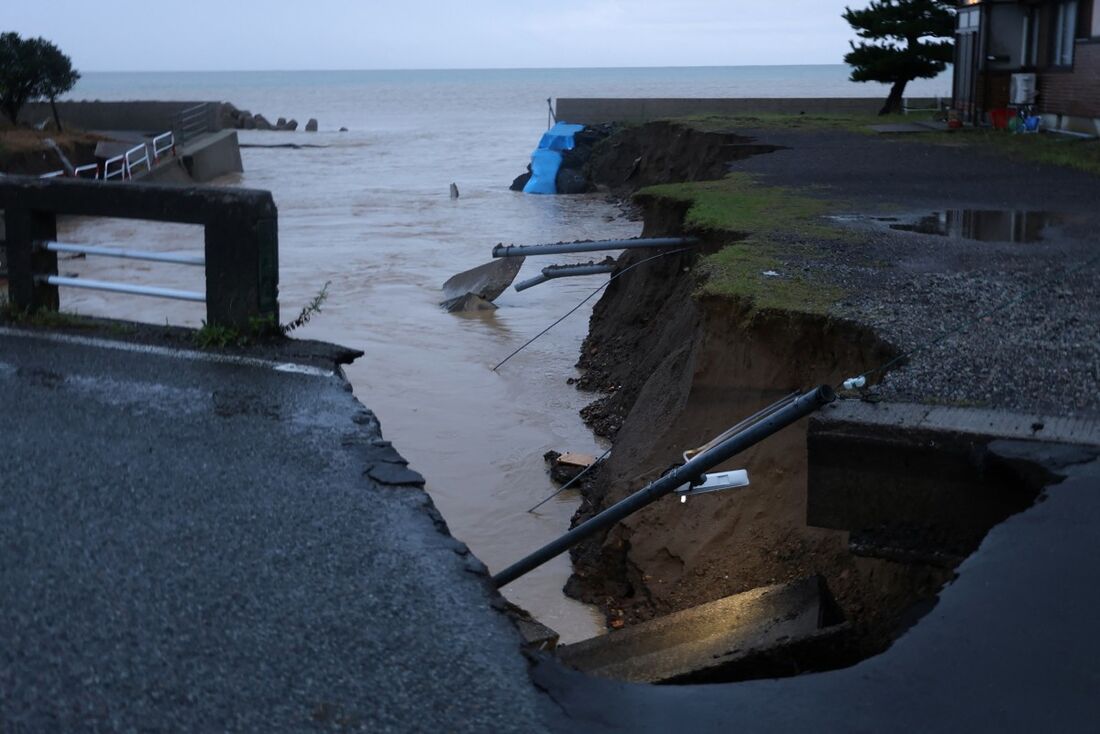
244	35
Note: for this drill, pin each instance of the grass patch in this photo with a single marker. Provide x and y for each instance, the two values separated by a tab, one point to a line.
755	270
738	204
43	318
770	221
1048	148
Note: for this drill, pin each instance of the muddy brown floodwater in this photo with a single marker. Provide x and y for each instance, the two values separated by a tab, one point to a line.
476	435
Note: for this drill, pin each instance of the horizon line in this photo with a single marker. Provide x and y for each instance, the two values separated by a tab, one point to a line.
453	68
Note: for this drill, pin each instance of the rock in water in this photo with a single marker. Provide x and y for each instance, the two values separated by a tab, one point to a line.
311	126
262	123
454	191
280	123
291	125
487	281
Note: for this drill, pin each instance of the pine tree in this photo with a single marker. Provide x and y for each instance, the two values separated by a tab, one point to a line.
30	69
904	40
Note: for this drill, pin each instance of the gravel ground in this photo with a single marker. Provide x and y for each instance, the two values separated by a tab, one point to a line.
206	546
1021	318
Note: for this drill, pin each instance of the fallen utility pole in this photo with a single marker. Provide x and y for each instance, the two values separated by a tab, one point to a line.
688	473
566	248
566	271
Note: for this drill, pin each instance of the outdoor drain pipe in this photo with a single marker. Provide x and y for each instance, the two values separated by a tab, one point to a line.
693	470
566	248
566	271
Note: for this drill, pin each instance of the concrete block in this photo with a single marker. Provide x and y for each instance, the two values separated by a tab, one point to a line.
716	641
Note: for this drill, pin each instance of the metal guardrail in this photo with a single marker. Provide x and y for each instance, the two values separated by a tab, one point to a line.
135	157
163	143
83	171
195	121
119	171
240	235
160	257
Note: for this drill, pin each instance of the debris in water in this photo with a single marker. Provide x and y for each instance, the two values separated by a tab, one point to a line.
454	190
486	282
468	303
566	467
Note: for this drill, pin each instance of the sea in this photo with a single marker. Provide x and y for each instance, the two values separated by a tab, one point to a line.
366	215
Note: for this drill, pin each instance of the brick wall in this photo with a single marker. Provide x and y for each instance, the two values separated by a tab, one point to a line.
1077	92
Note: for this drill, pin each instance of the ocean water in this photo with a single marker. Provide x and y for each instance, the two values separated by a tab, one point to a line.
369	213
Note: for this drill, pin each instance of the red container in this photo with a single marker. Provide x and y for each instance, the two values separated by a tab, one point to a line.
1000	117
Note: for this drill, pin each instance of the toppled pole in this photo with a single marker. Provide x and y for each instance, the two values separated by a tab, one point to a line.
566	248
566	271
692	471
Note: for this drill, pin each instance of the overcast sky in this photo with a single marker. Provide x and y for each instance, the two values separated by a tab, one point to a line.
127	35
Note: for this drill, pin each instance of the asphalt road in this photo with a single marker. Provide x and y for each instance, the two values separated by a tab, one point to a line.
200	545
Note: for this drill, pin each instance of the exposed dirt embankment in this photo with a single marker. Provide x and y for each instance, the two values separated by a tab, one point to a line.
661	152
24	152
676	368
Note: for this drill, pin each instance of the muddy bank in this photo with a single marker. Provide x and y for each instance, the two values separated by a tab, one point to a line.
675	371
673	363
25	153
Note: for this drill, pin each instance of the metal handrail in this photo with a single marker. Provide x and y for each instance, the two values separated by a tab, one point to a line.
161	257
79	171
134	290
169	140
53	174
131	164
108	174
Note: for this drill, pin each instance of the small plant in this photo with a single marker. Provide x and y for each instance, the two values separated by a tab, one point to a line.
214	336
310	310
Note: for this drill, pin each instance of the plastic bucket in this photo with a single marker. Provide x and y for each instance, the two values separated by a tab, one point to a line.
999	117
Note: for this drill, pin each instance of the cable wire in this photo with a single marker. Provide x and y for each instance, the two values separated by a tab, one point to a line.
592	295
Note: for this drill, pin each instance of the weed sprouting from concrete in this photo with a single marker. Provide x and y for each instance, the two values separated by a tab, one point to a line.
310	310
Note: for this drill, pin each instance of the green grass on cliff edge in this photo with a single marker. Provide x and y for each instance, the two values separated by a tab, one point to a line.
775	228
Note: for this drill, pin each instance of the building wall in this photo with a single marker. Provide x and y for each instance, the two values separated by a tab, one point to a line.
1074	92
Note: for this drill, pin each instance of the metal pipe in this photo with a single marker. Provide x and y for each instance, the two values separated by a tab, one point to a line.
689	472
134	290
591	246
566	271
160	257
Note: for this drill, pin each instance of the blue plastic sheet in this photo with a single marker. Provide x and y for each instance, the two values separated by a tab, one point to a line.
546	160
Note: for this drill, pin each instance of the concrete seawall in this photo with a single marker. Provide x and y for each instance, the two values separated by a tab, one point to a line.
595	110
146	116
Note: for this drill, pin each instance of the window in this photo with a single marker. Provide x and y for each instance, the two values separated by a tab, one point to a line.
969	20
1065	33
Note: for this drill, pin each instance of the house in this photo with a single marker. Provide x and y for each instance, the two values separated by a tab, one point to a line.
1011	52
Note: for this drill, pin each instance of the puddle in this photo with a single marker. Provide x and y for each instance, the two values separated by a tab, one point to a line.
980	225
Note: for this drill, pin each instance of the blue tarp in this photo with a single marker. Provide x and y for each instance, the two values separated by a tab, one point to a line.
546	160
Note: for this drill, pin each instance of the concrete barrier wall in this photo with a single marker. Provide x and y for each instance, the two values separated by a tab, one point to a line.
592	111
138	116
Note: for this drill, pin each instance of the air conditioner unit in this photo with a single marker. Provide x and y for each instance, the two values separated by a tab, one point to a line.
1024	89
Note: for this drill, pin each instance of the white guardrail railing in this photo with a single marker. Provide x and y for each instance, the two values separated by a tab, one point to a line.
123	167
137	156
195	260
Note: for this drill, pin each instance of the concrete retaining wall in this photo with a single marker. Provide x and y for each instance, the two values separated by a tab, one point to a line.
592	111
152	117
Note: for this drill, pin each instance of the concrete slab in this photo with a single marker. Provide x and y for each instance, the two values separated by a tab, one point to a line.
705	641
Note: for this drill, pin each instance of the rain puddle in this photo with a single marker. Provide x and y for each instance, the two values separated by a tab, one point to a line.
977	224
